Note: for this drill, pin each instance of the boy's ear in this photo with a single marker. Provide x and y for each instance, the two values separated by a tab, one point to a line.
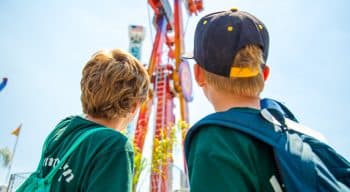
199	75
266	72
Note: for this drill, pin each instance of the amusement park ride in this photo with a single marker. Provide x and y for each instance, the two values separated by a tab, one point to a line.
170	78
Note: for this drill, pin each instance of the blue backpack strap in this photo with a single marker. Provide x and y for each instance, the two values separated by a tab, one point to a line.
272	104
335	163
228	121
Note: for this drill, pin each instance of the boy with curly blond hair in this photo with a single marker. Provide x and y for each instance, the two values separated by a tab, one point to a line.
113	86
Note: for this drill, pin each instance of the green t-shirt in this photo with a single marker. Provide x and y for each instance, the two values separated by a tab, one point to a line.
102	162
223	159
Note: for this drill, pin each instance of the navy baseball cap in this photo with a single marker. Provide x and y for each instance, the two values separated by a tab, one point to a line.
219	36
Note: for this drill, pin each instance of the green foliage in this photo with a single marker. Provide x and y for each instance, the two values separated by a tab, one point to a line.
162	153
139	166
163	146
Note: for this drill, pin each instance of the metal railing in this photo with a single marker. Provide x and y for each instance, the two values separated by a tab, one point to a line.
16	180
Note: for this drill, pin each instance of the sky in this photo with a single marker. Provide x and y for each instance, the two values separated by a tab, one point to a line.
45	44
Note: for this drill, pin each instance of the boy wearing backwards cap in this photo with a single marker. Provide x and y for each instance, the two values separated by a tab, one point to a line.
231	49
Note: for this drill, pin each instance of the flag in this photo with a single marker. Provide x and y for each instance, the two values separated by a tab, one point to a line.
17	130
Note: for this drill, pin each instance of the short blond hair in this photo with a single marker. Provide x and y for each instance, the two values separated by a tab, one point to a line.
112	83
250	57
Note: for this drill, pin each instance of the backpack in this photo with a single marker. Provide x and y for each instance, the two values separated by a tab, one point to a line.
305	162
36	183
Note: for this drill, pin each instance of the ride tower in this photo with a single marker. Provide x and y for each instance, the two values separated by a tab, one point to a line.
171	79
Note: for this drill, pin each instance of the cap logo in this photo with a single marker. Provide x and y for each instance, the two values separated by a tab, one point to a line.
243	72
229	28
205	22
260	27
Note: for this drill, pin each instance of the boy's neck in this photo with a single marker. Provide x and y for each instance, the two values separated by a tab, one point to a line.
117	124
223	101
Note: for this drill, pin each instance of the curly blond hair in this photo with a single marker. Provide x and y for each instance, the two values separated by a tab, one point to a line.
112	83
250	57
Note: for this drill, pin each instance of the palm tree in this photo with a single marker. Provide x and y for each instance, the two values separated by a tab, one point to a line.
5	156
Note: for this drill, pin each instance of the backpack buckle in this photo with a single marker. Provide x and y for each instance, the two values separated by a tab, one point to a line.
279	123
